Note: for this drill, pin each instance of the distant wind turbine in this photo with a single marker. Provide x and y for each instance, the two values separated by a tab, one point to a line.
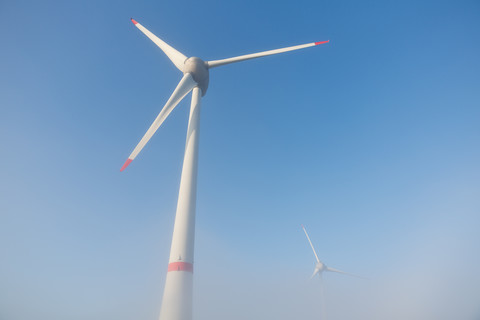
321	267
177	295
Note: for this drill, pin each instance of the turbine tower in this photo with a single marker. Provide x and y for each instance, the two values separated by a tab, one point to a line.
321	267
177	295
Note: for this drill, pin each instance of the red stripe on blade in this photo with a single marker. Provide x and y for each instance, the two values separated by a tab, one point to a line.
180	266
134	22
126	164
321	42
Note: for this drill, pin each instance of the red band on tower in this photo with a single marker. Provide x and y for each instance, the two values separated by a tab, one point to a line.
180	266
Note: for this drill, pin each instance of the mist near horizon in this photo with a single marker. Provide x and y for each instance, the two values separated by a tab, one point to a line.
429	275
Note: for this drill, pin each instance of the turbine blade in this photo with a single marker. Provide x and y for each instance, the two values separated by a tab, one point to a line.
183	88
314	274
217	63
343	272
305	230
175	56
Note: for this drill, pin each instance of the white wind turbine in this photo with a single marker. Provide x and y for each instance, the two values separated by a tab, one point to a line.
177	295
321	267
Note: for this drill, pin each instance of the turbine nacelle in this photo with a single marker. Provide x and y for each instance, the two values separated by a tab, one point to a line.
199	71
320	266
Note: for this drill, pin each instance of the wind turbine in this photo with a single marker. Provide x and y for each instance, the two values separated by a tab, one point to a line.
177	295
321	267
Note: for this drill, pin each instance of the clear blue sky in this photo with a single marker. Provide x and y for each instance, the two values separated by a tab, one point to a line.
371	141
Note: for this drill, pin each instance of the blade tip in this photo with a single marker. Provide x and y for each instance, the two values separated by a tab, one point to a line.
134	22
125	165
321	42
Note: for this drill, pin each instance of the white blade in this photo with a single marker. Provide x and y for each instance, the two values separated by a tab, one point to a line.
183	88
304	230
217	63
175	56
343	272
314	273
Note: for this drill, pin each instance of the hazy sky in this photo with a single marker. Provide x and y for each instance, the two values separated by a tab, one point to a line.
371	141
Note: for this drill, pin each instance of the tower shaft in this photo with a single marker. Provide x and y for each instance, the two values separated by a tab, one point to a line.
177	295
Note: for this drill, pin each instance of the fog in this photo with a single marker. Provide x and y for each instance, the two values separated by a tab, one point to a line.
432	275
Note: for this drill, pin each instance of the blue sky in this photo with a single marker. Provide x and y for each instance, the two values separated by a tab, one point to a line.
371	141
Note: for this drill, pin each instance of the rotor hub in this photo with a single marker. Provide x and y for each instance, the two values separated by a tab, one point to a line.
199	71
320	266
